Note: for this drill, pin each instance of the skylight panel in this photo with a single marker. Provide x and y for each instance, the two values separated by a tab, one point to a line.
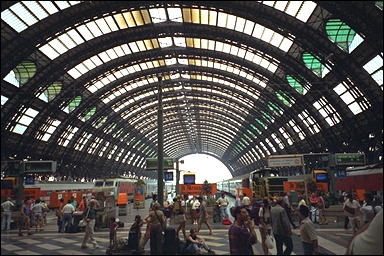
134	47
267	35
94	29
286	44
126	49
306	11
24	14
374	64
49	51
204	43
231	20
89	64
249	25
120	21
280	5
58	46
12	20
141	45
3	100
129	19
74	73
62	4
240	24
36	9
84	31
195	16
258	31
104	57
276	39
165	42
175	14
111	53
75	36
49	6
138	18
293	7
212	18
119	51
111	23
103	26
222	19
158	15
67	41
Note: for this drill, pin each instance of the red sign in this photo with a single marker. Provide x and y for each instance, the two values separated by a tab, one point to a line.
196	189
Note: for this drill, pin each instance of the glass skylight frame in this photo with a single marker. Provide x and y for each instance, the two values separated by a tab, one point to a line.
327	111
24	120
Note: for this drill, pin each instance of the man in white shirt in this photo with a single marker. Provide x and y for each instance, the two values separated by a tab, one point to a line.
246	201
308	233
68	210
7	213
223	203
369	239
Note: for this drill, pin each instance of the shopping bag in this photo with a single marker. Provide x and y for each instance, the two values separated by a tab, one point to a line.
270	241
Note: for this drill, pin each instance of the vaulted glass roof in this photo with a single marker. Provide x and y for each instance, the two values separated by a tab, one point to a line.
80	80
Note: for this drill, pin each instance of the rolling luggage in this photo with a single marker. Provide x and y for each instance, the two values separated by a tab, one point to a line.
171	242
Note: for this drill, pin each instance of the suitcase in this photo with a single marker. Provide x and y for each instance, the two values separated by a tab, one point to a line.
133	240
226	222
171	242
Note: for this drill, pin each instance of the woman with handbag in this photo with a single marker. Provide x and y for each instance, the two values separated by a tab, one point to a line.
352	210
265	225
89	218
156	220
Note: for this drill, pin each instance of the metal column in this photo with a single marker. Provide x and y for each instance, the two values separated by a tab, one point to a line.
177	177
160	145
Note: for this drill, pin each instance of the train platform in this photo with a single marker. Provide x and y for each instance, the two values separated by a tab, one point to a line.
332	239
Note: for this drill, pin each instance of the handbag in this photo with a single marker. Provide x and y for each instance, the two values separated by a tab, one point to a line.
349	209
83	221
269	241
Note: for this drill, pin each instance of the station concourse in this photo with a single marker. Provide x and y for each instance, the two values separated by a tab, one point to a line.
93	91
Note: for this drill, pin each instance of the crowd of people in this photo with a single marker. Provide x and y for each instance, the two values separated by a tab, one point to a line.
273	216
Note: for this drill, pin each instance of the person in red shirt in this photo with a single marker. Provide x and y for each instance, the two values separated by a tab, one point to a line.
83	204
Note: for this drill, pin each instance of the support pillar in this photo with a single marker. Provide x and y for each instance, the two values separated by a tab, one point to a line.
160	146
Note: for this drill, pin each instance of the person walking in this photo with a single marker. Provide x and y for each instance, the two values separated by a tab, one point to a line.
6	210
179	216
25	217
156	219
242	233
37	211
203	215
307	233
113	225
90	217
352	210
265	223
223	203
194	210
68	210
321	207
281	228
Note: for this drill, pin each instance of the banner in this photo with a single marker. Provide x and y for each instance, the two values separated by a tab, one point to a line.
196	189
285	161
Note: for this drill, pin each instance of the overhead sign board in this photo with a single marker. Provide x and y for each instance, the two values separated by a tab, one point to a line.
39	166
151	163
285	161
350	159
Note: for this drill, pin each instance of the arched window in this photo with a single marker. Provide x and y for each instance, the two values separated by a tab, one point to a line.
21	74
314	64
296	85
51	92
284	98
342	35
90	113
74	104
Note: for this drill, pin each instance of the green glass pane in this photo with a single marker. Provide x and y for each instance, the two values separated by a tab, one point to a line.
284	98
90	113
256	129
101	122
245	141
295	84
379	4
313	64
261	122
340	33
74	103
53	90
250	132
274	108
24	71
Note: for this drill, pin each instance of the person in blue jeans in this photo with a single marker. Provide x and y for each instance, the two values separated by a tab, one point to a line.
68	210
195	243
223	203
